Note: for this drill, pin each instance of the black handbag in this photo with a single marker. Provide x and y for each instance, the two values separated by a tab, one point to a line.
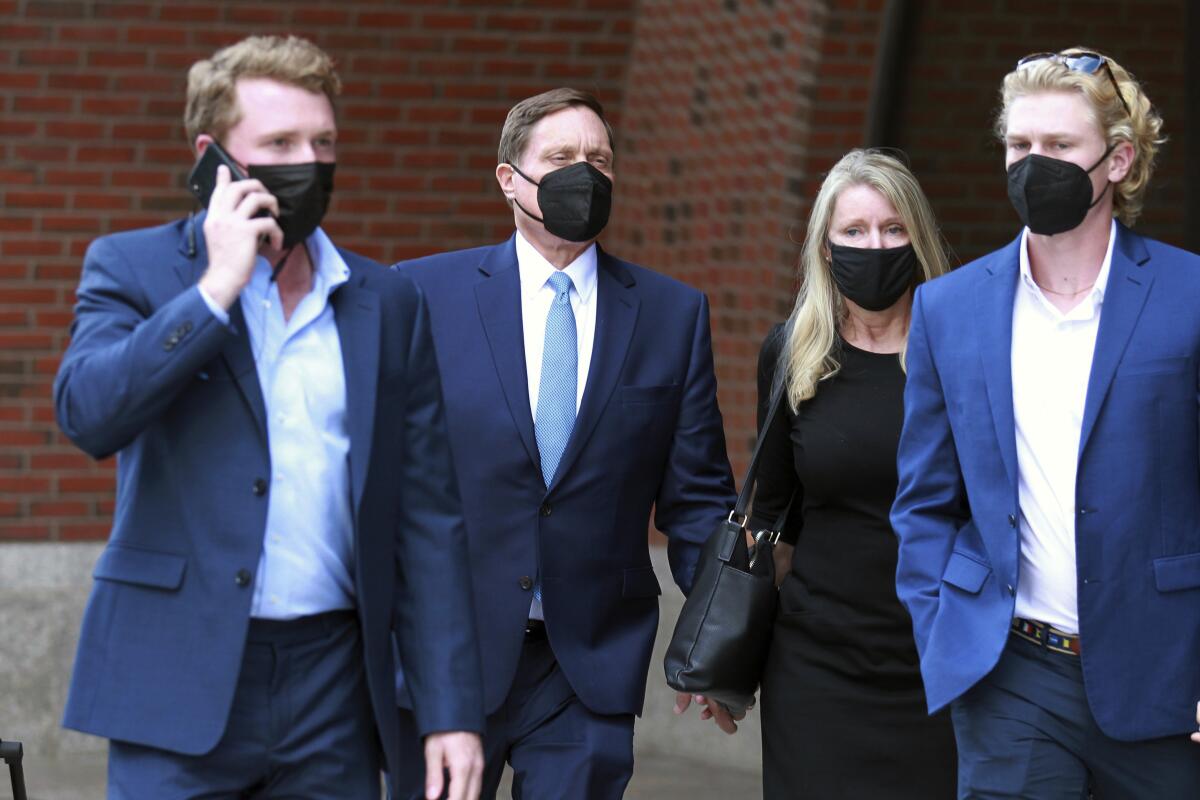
720	641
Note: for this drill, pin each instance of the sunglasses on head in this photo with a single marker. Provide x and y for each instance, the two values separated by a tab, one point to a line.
1082	61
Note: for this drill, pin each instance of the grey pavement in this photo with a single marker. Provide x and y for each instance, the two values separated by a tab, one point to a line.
656	776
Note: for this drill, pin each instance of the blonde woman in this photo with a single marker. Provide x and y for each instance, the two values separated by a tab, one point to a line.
842	702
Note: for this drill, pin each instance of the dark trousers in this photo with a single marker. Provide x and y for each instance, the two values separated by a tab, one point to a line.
558	749
301	725
1025	731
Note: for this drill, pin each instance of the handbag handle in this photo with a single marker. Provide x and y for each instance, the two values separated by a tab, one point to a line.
738	514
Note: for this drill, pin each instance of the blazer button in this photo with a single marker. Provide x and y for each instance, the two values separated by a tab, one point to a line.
242	578
526	582
1012	520
1011	590
546	510
259	488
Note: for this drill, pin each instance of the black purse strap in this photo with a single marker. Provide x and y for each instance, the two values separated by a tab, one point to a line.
738	514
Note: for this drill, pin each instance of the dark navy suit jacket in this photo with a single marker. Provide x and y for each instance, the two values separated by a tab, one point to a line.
152	376
1137	497
648	435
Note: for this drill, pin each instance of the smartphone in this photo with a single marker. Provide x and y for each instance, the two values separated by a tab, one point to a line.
203	177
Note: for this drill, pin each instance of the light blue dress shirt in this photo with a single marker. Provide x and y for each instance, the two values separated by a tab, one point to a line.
307	560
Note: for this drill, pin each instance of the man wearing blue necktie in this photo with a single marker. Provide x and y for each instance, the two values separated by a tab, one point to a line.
580	394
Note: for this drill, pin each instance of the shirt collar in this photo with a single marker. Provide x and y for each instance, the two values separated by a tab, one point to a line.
1101	277
329	268
535	270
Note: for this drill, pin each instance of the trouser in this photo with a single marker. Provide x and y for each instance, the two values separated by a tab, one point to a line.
301	725
1026	731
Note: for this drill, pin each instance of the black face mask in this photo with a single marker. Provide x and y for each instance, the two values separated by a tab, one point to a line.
303	192
1051	195
874	279
575	201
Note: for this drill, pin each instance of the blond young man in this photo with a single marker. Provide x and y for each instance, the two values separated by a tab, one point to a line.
1049	503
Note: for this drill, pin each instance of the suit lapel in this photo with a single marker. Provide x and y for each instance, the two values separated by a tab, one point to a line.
189	266
240	362
356	313
1129	281
994	304
616	316
498	297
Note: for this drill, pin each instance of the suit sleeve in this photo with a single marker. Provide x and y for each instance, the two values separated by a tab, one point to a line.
778	483
931	503
434	615
697	486
127	361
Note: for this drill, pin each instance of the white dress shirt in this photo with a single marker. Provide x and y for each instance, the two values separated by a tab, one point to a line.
536	298
1051	361
306	566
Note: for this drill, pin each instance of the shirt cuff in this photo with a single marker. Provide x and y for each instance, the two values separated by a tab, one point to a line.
221	314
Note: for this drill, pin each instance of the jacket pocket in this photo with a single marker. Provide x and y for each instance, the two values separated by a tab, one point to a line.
640	582
140	567
1174	573
965	572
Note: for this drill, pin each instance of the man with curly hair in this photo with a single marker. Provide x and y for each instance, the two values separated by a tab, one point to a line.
1049	502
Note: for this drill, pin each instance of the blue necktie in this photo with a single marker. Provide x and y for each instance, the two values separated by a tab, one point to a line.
555	415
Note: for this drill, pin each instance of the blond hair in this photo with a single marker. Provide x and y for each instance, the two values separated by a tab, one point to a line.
810	352
1141	125
212	83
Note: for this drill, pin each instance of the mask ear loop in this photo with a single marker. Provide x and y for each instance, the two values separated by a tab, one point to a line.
1107	184
517	203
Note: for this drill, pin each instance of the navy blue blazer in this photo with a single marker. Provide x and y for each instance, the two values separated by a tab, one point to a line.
648	435
1137	491
154	377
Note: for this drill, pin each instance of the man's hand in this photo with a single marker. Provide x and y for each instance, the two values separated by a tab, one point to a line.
461	754
233	234
713	710
1196	736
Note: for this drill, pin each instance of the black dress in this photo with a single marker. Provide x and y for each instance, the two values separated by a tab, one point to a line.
843	707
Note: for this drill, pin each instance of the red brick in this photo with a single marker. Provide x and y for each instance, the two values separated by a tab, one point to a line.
178	12
84	531
86	484
60	461
73	82
449	22
156	36
88	33
20	80
26	104
384	19
60	509
18	248
24	532
48	57
34	199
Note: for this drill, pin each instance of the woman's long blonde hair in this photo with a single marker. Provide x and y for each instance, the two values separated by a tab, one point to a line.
810	352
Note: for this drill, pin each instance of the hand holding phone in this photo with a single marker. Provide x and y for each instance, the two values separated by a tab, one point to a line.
240	219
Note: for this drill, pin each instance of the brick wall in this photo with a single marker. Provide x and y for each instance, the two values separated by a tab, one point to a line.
91	96
728	112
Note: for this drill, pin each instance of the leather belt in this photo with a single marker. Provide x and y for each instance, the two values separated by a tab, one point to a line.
1047	636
